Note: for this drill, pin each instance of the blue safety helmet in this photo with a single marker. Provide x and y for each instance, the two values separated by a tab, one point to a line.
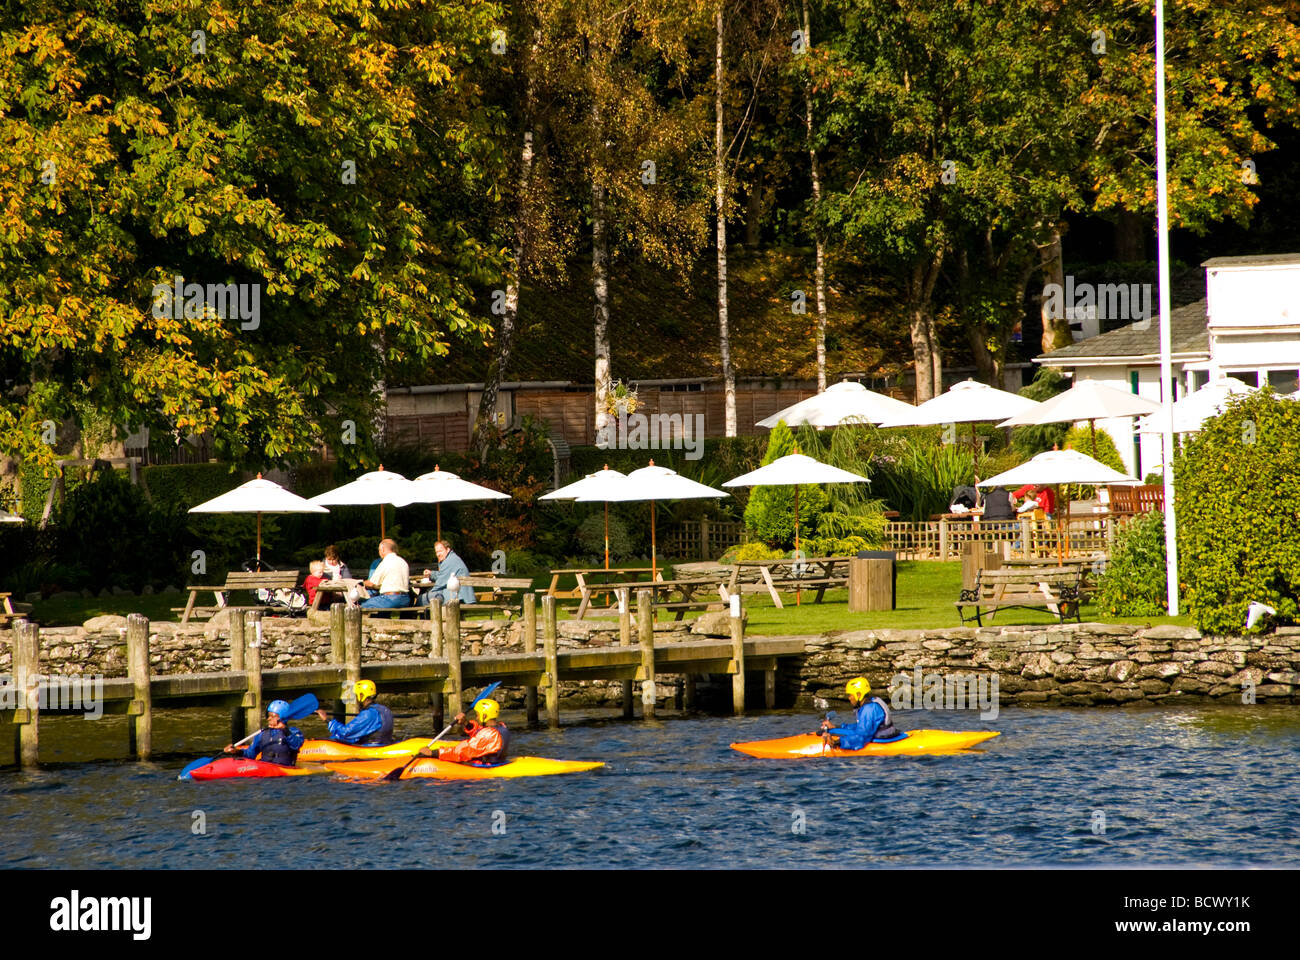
279	707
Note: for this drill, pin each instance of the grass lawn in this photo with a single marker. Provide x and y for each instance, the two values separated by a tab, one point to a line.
926	591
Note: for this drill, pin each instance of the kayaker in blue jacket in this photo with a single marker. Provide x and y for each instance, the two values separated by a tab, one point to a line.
371	727
871	722
277	743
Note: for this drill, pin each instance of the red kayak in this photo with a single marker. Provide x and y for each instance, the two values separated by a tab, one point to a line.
228	767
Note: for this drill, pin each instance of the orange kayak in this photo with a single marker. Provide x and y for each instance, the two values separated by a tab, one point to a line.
448	770
917	741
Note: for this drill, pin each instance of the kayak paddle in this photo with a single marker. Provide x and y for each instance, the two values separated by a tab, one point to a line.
304	705
397	772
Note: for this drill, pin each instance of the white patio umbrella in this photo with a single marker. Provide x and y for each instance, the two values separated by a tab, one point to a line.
1089	400
379	487
1197	407
1056	467
967	402
6	517
594	487
655	483
258	496
440	486
793	470
845	402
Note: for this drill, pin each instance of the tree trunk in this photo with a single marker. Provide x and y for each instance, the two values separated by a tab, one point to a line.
600	287
927	362
484	425
817	199
1130	238
1056	330
724	335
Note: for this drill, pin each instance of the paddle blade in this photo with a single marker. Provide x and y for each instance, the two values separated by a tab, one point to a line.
202	762
302	707
487	692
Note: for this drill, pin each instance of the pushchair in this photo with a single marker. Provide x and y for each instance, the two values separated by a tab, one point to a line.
282	602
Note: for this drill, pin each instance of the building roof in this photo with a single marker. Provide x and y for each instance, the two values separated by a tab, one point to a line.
1259	260
1188	338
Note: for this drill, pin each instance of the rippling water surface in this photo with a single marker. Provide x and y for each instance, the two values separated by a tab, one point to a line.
1176	786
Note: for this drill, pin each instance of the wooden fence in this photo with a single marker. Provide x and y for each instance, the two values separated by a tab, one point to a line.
943	539
702	539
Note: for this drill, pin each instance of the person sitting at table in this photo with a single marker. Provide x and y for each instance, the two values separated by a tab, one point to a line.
964	499
391	580
997	504
313	579
335	568
1036	498
449	564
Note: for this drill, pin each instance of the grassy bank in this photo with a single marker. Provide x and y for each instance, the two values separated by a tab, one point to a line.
926	591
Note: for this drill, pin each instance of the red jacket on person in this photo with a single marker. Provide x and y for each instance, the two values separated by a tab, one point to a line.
485	743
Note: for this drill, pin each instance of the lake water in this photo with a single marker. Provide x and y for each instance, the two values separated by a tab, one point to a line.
1078	787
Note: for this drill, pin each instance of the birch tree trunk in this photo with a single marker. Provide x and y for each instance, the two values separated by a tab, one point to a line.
600	282
505	332
724	336
817	198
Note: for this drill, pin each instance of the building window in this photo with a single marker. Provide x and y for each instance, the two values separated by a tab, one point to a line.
1200	378
1282	381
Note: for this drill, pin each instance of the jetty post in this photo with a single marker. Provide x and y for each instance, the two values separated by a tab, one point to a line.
645	623
352	655
26	667
253	669
437	648
451	644
236	624
625	640
550	649
737	656
139	723
530	646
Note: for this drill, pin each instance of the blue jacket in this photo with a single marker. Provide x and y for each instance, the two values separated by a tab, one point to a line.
363	726
295	739
453	564
872	717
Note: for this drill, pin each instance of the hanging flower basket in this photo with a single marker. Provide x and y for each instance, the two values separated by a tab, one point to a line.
620	399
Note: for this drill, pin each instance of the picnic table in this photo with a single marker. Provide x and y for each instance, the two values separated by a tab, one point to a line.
821	573
599	582
250	580
686	590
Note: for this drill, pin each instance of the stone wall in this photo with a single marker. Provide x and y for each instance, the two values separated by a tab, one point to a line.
1090	663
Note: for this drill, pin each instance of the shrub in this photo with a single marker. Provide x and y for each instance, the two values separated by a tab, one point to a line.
1080	439
1238	498
591	535
751	551
837	546
770	512
1133	583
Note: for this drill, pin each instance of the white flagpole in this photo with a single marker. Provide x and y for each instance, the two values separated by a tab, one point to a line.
1166	363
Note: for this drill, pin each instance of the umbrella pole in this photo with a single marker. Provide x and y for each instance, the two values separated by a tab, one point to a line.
382	534
439	508
259	539
606	534
1060	529
654	573
798	594
1092	431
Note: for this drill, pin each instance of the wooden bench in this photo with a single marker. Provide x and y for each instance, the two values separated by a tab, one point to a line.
1136	499
1060	589
7	613
238	580
687	589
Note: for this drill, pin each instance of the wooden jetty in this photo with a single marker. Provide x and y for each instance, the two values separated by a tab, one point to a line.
246	687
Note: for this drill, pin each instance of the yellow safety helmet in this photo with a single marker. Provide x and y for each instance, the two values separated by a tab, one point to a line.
364	689
487	710
857	688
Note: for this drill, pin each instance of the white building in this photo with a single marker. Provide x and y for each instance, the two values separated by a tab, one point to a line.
1248	327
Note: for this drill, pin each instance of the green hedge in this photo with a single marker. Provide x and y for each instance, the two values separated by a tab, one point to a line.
185	485
1238	495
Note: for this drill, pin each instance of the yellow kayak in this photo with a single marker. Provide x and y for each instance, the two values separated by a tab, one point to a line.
448	770
917	741
320	751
